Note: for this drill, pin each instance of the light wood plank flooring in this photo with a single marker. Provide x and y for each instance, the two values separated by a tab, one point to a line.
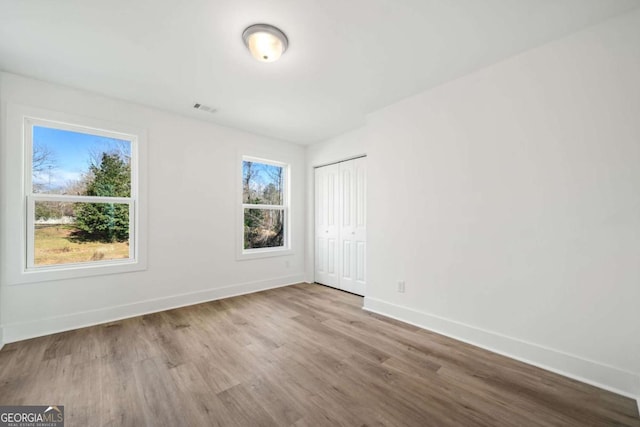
303	355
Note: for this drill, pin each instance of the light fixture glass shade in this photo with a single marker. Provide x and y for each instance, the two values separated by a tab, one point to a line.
265	42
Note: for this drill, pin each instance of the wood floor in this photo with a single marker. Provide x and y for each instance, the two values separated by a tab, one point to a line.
303	355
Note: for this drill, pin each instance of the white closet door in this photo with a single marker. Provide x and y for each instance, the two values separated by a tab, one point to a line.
341	225
327	230
353	225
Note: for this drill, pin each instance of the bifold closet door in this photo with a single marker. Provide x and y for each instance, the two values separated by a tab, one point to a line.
341	225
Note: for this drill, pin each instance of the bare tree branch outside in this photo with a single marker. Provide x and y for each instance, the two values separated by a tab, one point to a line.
263	184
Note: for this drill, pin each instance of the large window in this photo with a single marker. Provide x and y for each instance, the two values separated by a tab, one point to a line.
81	191
265	206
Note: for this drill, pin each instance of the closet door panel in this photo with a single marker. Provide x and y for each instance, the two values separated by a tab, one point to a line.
359	231
326	225
347	217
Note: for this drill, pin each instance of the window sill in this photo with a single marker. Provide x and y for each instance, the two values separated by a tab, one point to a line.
263	253
76	271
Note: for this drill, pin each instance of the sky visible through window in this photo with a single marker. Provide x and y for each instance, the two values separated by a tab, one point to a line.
262	183
62	156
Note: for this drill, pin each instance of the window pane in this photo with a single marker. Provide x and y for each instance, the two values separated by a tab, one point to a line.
263	228
262	184
67	233
66	162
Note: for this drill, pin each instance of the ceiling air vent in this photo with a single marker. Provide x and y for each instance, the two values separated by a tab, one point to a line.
205	108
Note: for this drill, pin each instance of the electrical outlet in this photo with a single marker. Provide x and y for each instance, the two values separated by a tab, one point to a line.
401	286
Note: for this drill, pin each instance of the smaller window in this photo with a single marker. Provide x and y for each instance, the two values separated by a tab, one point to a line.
265	206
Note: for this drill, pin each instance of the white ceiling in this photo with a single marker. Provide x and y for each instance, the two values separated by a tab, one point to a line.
346	58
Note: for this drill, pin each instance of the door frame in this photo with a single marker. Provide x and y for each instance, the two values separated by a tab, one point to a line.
346	159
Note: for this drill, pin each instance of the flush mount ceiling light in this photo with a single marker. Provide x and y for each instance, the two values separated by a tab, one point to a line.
265	42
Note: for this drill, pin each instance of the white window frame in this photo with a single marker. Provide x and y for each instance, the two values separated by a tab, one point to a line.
32	198
285	207
19	225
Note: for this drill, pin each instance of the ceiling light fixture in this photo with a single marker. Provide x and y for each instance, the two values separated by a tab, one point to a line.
265	42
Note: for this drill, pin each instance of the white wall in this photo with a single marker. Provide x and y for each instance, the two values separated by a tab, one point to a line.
192	185
509	202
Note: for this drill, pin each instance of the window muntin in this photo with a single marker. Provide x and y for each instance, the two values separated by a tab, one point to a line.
81	193
264	206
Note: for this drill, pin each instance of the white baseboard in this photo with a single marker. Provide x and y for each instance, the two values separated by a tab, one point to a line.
24	330
600	375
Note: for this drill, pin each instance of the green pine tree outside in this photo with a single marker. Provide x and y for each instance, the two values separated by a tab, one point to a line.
107	222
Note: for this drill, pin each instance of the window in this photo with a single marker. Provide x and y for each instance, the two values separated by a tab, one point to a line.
265	207
81	193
